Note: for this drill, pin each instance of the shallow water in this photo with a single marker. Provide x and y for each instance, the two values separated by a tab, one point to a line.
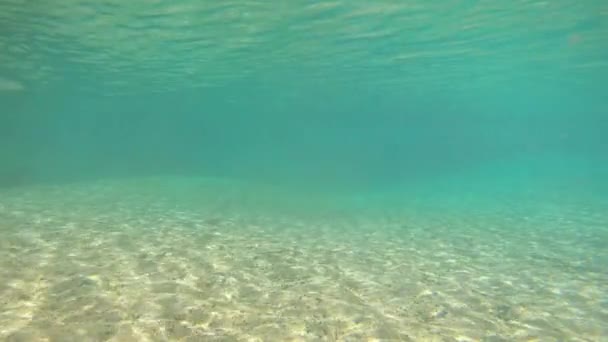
303	171
130	261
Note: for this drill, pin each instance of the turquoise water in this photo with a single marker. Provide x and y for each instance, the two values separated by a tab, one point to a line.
318	93
464	118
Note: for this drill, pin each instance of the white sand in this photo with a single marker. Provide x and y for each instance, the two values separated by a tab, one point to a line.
85	264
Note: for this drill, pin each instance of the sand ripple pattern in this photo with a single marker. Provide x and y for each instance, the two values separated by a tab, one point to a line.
108	263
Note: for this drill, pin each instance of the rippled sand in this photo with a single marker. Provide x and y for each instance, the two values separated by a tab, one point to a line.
86	263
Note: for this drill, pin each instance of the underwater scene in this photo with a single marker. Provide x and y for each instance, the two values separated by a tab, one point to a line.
248	170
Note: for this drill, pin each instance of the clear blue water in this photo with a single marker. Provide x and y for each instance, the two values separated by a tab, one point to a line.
435	107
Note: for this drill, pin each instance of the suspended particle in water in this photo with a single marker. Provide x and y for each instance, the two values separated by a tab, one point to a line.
574	39
10	85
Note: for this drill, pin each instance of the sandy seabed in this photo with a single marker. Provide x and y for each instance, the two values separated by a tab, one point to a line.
104	263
